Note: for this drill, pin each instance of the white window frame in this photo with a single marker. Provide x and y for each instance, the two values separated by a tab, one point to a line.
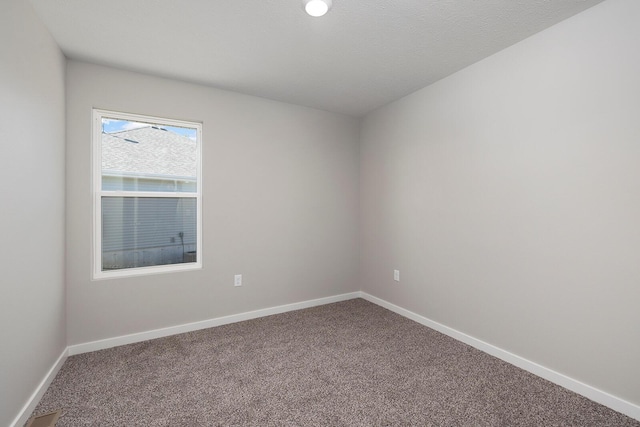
99	193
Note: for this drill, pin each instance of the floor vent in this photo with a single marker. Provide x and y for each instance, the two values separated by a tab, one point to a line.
44	420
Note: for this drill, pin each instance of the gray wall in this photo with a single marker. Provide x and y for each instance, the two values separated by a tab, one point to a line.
32	305
508	196
280	206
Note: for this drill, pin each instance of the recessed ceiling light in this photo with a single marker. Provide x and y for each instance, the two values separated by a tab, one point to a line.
317	7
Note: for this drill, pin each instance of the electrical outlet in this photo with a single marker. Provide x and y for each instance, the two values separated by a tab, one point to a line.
237	280
396	275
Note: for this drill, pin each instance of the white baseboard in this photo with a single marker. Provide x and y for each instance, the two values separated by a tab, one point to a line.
599	396
34	399
210	323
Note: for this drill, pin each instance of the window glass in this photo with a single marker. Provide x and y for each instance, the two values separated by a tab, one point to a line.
139	156
147	195
146	231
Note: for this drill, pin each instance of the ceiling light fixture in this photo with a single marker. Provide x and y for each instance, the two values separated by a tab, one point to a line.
317	7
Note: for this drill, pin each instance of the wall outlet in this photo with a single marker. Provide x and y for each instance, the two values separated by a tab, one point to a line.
237	280
396	275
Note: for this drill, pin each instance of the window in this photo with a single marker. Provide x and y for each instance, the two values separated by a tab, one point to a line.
147	194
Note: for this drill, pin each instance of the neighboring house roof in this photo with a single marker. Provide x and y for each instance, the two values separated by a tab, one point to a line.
149	151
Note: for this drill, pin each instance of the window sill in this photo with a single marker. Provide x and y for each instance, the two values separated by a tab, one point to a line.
146	271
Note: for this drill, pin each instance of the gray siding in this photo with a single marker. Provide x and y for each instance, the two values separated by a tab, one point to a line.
120	183
146	231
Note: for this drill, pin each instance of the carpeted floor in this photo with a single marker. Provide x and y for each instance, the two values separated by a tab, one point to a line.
346	364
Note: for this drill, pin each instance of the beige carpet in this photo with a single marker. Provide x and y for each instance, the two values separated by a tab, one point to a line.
345	364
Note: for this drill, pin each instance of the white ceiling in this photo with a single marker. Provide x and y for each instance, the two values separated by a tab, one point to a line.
361	55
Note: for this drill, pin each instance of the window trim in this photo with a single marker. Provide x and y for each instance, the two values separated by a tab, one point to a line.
99	193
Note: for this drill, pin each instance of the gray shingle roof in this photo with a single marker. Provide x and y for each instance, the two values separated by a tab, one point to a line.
149	151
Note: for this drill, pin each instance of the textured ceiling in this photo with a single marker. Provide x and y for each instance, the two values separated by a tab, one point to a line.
361	55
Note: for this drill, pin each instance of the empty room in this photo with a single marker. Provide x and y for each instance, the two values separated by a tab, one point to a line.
320	213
